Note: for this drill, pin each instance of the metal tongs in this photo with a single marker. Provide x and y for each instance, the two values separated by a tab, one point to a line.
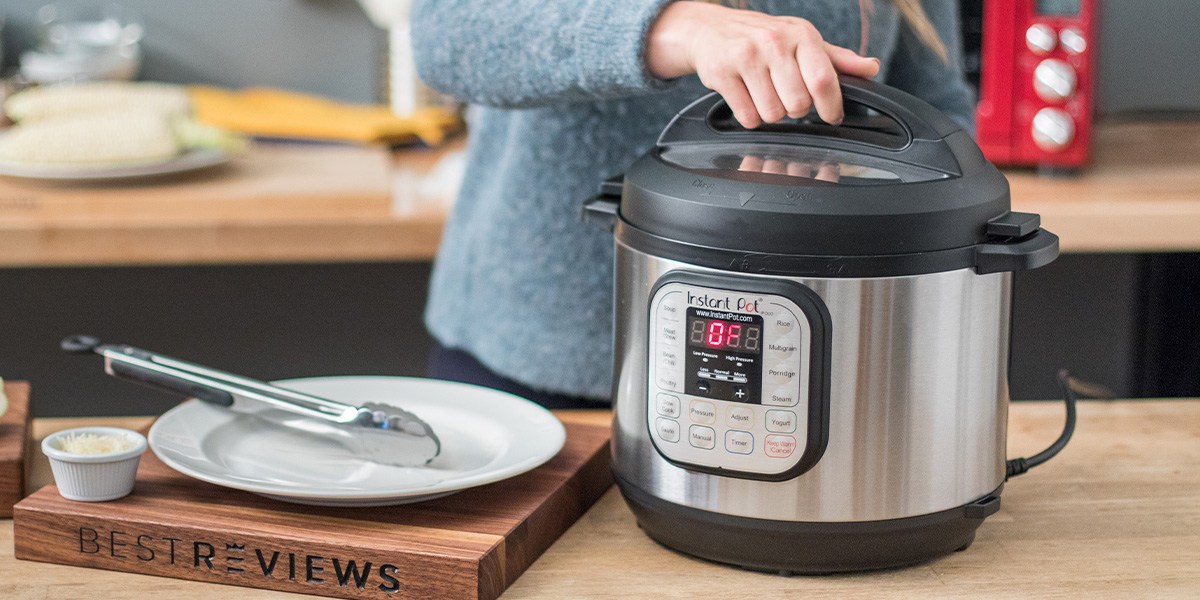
377	432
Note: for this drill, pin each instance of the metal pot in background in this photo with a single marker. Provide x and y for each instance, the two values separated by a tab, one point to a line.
812	328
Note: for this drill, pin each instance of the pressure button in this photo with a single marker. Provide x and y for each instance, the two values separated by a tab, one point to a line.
703	412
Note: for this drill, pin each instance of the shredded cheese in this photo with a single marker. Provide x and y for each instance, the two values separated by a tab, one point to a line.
90	443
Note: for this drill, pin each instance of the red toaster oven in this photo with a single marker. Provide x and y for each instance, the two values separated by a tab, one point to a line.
1035	89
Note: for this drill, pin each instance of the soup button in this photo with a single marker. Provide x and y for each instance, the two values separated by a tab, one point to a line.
779	446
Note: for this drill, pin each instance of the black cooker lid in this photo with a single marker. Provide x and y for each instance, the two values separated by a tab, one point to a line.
897	177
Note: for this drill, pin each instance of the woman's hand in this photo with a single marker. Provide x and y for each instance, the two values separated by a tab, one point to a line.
765	67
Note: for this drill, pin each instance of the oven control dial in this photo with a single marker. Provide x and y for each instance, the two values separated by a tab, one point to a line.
1040	39
1054	80
1052	129
1072	40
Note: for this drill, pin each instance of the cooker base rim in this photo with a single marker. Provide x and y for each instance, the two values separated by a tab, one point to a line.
807	548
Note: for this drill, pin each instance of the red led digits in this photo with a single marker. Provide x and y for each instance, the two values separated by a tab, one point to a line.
716	334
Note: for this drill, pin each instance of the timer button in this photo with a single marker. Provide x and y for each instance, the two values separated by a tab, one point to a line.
739	442
1054	80
1052	129
1040	39
1072	40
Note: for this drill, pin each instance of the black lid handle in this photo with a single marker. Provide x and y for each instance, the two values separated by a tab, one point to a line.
877	116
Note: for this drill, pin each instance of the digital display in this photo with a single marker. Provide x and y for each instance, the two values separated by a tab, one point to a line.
719	334
1062	8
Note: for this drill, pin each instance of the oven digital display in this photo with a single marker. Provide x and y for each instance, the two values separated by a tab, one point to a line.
720	334
1058	8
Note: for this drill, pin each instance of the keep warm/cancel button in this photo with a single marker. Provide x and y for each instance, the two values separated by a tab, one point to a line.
779	446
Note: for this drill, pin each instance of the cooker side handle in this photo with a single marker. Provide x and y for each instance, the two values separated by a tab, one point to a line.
1037	249
604	207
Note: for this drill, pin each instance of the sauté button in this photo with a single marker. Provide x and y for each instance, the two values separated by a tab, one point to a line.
702	437
740	417
668	429
668	406
779	446
703	412
739	442
781	421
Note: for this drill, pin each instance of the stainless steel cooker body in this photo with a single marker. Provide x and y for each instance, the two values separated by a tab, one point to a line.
917	399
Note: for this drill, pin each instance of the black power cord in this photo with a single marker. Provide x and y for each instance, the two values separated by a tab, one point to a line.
1018	466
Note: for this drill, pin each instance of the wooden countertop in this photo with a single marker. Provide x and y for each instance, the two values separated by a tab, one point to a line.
1116	515
316	203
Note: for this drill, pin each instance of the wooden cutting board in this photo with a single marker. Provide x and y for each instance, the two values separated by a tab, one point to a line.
14	437
472	544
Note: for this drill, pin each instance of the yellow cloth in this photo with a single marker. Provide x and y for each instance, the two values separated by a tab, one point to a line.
280	113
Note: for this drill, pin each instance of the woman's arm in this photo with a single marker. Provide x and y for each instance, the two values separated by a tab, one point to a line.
517	53
915	69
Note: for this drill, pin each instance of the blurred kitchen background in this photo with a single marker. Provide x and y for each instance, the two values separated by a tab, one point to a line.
1125	320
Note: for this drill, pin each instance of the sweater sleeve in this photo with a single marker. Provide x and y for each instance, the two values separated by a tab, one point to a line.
521	53
915	69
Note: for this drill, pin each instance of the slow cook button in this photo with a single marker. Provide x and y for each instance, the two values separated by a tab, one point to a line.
779	446
781	421
740	417
739	442
702	437
668	406
668	429
703	412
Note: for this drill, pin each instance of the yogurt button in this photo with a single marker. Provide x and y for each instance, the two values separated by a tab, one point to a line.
781	421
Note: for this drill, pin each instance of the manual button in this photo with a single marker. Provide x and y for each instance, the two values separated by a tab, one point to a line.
702	437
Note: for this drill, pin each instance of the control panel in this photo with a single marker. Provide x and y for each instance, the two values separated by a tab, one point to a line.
731	377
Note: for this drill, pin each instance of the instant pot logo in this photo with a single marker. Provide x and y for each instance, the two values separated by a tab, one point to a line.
715	302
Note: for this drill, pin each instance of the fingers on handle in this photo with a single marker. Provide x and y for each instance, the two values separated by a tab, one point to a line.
848	62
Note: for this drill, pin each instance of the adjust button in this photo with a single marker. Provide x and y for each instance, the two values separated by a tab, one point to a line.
779	446
739	442
702	437
703	412
668	429
740	417
668	406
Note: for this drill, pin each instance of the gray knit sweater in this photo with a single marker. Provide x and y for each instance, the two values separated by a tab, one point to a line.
520	282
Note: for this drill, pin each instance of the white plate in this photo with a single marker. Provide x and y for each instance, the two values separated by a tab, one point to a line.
486	436
192	160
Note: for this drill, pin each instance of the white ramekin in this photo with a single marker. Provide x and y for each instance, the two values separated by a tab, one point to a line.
94	477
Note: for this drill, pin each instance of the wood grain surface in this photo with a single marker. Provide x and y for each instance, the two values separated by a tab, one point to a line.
14	436
278	202
1116	515
472	544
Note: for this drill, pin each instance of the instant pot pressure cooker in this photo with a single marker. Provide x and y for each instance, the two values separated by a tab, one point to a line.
812	328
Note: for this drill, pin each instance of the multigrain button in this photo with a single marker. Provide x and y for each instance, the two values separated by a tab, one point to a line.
781	421
739	442
668	406
668	429
703	412
740	417
779	446
702	437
